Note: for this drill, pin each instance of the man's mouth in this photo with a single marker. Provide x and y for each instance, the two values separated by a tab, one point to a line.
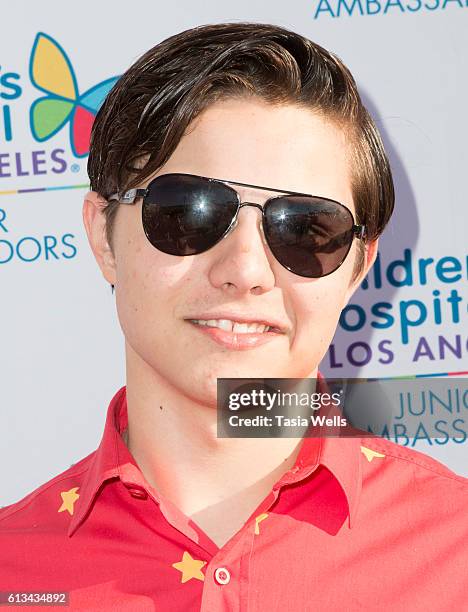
235	327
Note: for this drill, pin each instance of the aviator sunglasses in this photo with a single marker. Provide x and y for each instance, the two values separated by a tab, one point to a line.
186	214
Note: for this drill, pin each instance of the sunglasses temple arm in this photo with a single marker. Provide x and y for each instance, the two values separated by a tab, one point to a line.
360	231
128	197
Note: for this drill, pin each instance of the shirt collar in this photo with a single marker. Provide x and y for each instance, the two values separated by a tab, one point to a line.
340	455
112	459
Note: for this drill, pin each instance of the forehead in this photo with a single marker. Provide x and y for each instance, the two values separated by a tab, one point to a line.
282	146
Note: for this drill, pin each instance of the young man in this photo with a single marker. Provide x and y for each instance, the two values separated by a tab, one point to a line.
262	188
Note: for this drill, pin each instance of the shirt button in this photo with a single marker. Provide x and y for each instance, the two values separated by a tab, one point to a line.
222	575
135	491
138	493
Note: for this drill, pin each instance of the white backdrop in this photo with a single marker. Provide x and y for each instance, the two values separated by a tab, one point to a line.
61	346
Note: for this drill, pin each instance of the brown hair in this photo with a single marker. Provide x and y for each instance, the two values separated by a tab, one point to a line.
148	110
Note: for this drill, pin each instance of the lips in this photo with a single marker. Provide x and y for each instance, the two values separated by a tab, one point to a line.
236	341
234	327
242	318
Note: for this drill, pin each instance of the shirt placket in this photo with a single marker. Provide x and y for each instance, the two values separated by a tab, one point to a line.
226	581
227	577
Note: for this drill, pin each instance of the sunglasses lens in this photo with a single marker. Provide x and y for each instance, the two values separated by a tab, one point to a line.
309	236
186	215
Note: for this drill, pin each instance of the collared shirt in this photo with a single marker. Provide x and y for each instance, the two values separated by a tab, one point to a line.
356	524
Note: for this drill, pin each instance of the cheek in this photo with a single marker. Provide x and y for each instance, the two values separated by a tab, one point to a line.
141	281
317	305
138	263
132	296
151	286
327	295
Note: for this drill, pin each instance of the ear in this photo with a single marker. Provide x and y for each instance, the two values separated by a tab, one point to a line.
370	253
95	223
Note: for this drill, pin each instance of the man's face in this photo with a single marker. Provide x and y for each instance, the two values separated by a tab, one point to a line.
283	147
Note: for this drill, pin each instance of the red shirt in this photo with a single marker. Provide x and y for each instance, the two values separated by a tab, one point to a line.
357	524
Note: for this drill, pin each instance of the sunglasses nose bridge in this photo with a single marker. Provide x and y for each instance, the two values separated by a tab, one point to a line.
256	205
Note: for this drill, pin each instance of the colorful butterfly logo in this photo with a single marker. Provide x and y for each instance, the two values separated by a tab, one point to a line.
51	72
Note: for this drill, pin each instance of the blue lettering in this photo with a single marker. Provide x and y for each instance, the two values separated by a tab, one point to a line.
436	303
348	9
405	264
442	270
72	247
2	219
442	431
360	321
447	1
393	3
7	129
377	3
423	436
23	241
406	323
462	431
10	246
423	263
385	433
48	247
324	7
454	299
399	430
6	82
376	310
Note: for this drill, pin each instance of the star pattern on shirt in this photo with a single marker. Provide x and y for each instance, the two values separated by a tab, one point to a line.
68	500
370	454
190	567
258	520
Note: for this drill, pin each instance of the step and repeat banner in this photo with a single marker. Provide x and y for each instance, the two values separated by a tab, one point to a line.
62	350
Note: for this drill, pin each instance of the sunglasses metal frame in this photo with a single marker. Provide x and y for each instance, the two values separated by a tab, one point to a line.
130	196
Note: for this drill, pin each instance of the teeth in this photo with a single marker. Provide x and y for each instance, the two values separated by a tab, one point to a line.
231	326
241	328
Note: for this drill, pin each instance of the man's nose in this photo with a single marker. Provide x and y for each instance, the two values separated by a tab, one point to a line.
244	261
248	219
250	216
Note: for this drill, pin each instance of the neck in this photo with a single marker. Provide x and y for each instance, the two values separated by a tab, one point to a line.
173	439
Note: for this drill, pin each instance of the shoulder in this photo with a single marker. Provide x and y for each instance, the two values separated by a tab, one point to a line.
421	462
56	494
418	475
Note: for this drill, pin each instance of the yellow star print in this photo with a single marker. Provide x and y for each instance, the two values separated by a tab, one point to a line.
370	454
258	519
68	499
190	567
